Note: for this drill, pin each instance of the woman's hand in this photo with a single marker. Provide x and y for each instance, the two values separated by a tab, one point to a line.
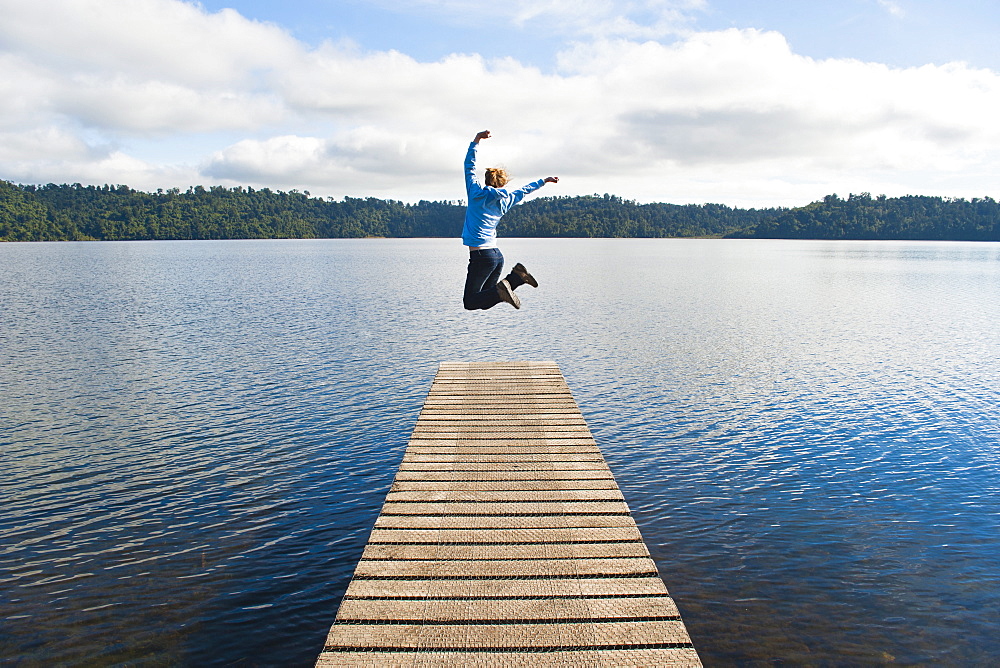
552	179
485	134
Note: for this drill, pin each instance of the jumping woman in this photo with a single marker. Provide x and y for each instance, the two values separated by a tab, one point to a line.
487	204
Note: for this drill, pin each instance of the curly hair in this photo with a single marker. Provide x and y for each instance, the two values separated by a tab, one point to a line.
496	177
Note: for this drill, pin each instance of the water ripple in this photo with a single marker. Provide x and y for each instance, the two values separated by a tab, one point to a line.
198	436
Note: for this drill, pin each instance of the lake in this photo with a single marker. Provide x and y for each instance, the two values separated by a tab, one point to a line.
197	436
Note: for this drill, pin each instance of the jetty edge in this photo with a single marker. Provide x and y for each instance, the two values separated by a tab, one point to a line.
505	540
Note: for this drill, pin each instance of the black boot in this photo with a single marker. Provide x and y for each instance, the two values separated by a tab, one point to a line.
523	275
507	294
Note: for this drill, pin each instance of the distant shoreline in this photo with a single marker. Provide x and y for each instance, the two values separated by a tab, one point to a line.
119	213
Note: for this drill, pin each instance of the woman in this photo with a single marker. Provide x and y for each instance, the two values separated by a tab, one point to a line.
487	204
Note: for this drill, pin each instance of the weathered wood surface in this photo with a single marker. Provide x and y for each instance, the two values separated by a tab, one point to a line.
505	540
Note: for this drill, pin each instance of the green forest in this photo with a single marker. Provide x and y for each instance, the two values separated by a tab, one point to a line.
114	213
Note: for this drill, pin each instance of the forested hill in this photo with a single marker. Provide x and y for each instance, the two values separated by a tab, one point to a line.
75	212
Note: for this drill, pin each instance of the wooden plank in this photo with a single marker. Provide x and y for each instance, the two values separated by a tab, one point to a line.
505	540
597	589
501	521
495	475
495	551
504	485
464	536
544	635
445	610
509	496
672	658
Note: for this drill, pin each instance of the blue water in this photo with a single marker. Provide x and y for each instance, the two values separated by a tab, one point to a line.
196	437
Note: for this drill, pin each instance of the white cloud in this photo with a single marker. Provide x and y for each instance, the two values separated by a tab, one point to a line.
893	8
400	165
742	97
51	141
123	105
162	40
140	65
733	116
93	166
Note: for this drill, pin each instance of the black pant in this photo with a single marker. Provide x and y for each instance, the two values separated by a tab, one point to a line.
485	266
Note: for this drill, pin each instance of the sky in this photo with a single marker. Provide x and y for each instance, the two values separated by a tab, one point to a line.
750	103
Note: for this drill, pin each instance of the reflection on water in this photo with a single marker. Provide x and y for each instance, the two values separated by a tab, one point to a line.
197	436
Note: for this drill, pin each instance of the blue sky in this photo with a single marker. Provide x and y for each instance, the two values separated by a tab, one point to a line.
901	33
746	103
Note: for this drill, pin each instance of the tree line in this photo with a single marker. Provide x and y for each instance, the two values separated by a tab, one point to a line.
114	213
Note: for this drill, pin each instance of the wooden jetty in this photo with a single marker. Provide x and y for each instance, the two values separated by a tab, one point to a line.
505	541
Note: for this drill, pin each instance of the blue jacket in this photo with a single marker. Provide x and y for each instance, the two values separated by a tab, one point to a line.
487	204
